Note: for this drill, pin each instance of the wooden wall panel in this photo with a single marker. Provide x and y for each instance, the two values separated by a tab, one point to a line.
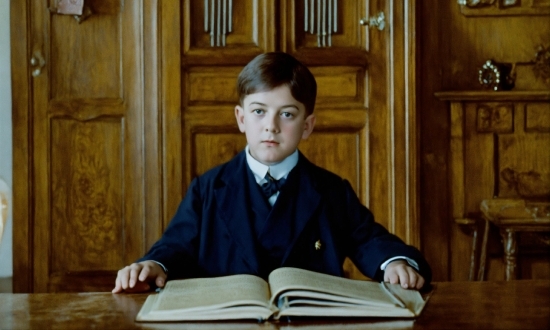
524	159
537	117
350	92
338	152
215	148
212	85
455	42
509	39
87	200
93	53
479	178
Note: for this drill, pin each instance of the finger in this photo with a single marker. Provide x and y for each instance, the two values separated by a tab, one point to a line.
144	274
134	272
413	277
420	282
391	276
122	276
403	277
118	286
161	280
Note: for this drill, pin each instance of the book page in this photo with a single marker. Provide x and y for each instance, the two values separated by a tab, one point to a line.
212	293
284	279
238	312
296	296
412	299
347	311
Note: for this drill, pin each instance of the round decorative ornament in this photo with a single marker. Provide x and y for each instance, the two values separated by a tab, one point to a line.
496	76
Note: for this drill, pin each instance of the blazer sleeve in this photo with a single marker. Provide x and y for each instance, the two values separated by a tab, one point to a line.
177	248
371	244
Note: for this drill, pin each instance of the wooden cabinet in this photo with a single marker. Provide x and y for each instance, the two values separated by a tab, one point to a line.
499	151
365	129
138	99
365	108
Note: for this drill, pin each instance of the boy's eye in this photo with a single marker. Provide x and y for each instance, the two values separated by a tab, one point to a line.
287	114
258	111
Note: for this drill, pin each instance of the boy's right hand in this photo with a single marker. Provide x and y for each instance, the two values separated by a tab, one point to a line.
137	276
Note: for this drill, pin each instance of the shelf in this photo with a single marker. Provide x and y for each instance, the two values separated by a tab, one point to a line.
488	96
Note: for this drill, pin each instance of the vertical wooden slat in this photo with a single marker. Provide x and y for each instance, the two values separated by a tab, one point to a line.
171	91
456	168
22	179
152	33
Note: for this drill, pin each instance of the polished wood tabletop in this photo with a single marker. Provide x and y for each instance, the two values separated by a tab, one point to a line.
523	304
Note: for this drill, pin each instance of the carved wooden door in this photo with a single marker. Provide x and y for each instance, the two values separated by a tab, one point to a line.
365	125
80	181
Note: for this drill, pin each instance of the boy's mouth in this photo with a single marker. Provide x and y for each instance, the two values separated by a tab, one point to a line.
270	142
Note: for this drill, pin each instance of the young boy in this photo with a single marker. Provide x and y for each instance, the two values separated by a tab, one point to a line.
269	207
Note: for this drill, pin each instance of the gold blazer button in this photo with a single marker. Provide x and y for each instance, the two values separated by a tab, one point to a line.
318	245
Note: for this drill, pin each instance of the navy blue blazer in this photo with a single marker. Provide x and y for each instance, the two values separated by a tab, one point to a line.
211	233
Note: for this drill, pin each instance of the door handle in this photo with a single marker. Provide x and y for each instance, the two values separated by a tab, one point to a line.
37	62
378	21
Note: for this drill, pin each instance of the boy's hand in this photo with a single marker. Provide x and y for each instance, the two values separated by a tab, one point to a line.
137	276
399	271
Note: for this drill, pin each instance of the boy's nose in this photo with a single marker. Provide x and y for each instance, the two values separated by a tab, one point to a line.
272	124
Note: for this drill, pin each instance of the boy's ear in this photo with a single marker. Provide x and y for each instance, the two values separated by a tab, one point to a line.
309	123
239	115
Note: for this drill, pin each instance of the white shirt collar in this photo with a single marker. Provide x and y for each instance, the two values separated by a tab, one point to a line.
278	171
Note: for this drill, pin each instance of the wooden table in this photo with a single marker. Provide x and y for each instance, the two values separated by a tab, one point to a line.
521	304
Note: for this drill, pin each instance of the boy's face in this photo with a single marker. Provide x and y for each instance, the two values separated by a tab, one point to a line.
274	123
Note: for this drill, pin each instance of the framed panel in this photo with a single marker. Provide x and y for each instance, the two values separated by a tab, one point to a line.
227	30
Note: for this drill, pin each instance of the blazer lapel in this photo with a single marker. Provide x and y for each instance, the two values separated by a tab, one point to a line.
234	208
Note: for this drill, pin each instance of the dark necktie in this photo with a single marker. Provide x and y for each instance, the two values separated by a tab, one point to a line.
271	186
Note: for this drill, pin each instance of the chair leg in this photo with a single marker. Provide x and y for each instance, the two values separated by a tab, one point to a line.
483	255
473	255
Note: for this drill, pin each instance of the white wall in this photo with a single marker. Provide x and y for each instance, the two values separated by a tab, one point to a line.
6	264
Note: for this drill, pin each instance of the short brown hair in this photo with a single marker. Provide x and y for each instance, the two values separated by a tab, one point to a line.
271	70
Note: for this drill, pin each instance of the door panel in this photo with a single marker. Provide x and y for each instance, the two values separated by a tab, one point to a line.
226	31
86	158
89	201
92	53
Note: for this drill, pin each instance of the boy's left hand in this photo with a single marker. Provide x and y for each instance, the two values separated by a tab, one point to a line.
399	271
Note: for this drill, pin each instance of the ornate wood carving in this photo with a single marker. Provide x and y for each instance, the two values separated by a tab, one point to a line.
495	118
504	7
510	253
537	117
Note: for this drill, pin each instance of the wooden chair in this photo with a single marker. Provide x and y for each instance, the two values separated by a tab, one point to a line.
511	216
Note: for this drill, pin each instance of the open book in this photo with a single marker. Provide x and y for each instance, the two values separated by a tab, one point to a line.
290	292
